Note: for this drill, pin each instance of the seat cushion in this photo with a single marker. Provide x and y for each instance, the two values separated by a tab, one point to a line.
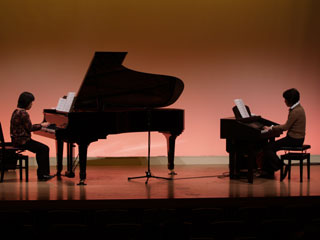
302	148
295	156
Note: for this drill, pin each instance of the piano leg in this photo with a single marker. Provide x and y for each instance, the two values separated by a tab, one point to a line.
231	149
59	154
83	149
251	160
235	158
171	140
232	163
70	153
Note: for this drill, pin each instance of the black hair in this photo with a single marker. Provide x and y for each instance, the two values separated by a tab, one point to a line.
292	96
25	99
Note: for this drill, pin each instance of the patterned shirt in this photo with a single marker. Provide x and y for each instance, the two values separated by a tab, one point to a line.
21	127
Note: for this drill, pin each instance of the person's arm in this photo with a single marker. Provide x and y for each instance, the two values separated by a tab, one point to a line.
291	119
36	127
28	125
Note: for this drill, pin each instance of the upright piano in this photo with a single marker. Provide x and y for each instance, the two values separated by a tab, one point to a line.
113	99
245	138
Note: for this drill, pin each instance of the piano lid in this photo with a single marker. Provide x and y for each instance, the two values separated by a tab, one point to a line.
109	84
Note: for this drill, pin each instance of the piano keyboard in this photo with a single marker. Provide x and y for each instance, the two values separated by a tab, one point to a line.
50	129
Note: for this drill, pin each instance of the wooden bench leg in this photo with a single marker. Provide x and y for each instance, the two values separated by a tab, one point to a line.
308	165
2	172
281	169
289	171
20	168
301	169
27	168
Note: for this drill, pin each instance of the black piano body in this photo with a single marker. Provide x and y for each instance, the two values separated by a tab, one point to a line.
113	100
244	139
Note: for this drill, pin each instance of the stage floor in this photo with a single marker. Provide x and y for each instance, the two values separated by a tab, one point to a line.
191	182
201	202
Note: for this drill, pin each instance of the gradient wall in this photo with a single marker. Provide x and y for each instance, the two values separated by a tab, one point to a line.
221	49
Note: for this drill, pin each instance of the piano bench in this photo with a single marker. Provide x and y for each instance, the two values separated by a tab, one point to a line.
296	154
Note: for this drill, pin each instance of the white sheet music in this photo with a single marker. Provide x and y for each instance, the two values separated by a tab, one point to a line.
242	108
64	104
61	103
69	101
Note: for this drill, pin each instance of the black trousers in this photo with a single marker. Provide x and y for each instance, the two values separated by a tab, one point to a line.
42	156
271	161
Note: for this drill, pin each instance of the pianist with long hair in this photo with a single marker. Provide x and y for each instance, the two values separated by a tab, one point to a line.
296	130
20	131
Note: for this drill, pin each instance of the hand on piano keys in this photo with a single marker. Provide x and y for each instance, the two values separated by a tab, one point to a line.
44	124
47	127
266	129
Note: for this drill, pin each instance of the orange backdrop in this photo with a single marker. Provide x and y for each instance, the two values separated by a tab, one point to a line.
221	49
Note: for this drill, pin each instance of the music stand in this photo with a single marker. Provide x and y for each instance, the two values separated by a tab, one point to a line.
148	172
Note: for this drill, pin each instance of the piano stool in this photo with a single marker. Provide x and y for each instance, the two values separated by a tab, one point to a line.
296	154
20	157
9	152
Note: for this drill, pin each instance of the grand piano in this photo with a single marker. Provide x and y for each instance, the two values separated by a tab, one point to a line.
113	99
245	138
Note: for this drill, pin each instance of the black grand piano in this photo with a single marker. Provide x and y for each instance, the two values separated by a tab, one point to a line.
112	100
245	138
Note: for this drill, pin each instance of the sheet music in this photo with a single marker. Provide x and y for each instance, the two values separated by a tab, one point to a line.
242	108
69	101
65	104
61	103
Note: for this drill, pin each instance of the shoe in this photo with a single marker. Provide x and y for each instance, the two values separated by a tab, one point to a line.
45	177
285	173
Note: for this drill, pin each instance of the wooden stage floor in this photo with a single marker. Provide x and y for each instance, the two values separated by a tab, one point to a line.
201	202
194	186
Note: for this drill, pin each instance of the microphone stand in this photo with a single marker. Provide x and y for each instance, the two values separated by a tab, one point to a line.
148	172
